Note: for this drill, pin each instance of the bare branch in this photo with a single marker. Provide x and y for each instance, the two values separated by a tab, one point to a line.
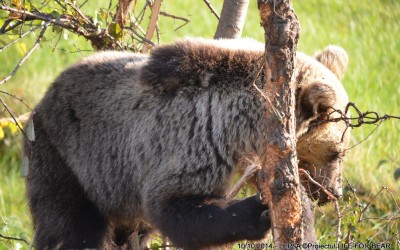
79	12
10	112
326	191
19	99
248	173
44	27
88	29
339	223
144	39
372	200
20	37
211	8
4	28
14	238
162	13
155	14
27	15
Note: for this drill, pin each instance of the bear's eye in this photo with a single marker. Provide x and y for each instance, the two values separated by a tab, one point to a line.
336	155
322	109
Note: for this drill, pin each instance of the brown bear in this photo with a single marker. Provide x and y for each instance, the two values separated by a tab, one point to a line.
127	142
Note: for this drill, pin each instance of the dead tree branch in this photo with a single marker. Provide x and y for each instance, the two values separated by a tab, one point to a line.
360	219
19	99
106	34
44	27
20	37
249	172
14	238
339	223
212	9
326	191
10	112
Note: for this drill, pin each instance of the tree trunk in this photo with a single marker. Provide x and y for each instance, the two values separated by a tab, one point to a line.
279	178
232	19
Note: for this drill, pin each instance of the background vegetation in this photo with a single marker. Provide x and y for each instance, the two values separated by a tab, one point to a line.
368	30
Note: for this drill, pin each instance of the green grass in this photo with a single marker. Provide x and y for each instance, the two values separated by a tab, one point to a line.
368	30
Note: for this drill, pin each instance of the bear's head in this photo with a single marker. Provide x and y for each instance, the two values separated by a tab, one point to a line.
321	145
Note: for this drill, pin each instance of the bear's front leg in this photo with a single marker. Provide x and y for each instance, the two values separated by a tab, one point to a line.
197	222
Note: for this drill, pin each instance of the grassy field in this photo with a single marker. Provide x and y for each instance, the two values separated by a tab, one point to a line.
368	30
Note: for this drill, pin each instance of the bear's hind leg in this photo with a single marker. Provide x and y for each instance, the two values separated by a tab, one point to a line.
63	217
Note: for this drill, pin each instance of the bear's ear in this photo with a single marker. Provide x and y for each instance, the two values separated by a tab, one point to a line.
314	100
334	58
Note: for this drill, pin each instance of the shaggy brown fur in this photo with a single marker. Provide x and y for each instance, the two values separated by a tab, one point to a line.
126	141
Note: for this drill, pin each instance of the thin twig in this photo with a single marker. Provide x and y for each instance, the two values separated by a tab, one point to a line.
4	29
162	13
134	24
13	96
14	238
339	223
248	173
20	37
366	138
9	111
80	6
78	11
26	56
212	9
384	219
142	12
141	37
62	22
372	200
158	34
326	191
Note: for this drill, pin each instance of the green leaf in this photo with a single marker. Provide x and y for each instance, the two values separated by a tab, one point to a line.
155	246
27	6
21	48
57	29
55	14
115	30
102	15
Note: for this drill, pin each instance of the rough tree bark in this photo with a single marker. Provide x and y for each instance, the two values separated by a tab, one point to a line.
232	19
279	178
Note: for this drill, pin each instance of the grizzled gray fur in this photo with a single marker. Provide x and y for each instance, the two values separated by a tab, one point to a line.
130	142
